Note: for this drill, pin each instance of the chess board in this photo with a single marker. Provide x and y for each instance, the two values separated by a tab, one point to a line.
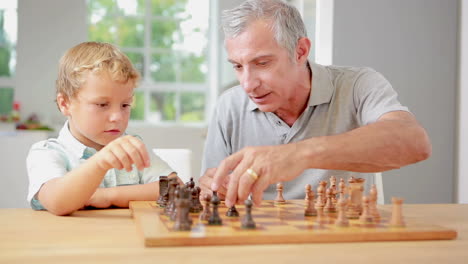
276	224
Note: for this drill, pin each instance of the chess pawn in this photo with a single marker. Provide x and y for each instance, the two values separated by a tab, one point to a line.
321	190
247	221
310	210
342	188
279	194
329	207
206	213
366	218
195	205
342	220
373	203
214	218
397	213
308	188
232	212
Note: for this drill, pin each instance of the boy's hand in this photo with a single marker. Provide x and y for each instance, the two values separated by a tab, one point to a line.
122	153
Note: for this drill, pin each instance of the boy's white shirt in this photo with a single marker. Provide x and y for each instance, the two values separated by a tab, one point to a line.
53	158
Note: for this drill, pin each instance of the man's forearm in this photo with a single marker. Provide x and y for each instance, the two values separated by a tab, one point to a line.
384	145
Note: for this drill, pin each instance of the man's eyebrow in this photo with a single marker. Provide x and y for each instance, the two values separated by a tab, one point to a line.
254	59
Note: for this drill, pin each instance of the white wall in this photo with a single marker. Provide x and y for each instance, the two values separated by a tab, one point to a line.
462	188
414	44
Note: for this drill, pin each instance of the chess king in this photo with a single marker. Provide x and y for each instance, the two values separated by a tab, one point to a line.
297	122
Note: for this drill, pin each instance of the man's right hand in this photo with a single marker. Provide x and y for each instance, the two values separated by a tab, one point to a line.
205	184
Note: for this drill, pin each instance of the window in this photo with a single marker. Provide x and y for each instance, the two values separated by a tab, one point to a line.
8	31
167	41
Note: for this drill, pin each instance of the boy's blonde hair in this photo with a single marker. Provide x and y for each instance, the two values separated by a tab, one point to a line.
93	57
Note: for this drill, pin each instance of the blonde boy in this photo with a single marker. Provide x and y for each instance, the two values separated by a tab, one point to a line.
92	162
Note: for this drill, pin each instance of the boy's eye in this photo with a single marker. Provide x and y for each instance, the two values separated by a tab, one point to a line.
102	105
127	105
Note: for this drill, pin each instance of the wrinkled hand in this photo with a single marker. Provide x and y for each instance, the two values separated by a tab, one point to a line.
100	199
272	164
205	182
122	153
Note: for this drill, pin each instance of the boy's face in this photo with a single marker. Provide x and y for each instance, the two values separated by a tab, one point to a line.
100	111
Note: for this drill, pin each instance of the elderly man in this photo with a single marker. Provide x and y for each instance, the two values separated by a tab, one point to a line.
296	122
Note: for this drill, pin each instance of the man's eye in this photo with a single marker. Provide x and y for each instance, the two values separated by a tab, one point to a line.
236	66
262	63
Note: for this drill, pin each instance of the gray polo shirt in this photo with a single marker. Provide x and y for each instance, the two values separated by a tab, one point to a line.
342	99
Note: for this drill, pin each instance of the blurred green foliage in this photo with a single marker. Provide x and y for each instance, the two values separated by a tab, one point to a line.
125	27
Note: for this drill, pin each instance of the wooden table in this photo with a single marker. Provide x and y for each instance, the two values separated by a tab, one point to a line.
110	236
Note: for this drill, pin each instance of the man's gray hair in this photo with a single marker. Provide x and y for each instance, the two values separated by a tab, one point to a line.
286	21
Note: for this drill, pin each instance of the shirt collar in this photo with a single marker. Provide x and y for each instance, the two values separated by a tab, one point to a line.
322	87
75	146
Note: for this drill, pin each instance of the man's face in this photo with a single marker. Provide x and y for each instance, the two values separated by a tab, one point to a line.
263	68
99	113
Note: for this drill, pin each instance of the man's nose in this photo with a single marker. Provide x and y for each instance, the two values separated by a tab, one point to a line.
250	81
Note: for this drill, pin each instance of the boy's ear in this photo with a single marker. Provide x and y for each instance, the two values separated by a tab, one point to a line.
63	103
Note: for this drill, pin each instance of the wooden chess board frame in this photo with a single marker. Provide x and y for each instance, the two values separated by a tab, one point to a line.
276	224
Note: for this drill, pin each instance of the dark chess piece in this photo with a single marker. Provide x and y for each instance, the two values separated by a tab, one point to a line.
190	184
247	221
163	191
214	218
183	222
177	196
195	205
206	213
171	197
232	212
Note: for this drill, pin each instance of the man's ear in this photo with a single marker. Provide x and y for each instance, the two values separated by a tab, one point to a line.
63	103
302	50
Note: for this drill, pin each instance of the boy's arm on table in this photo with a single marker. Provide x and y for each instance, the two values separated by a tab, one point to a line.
121	196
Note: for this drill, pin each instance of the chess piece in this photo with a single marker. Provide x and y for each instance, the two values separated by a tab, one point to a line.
232	212
373	203
334	191
320	221
320	195
310	210
397	213
163	188
214	218
206	213
366	218
183	222
168	210
356	188
195	205
321	189
342	188
279	194
308	188
247	221
342	220
329	206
